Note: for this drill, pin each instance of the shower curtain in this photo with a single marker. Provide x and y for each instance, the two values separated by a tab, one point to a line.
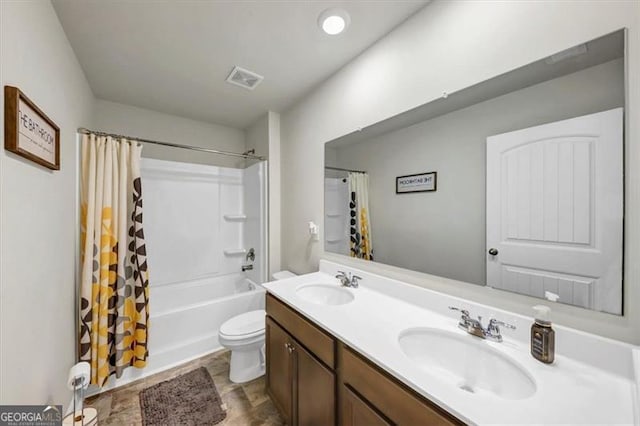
361	245
114	293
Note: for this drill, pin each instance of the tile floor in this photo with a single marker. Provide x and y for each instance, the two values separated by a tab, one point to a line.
247	404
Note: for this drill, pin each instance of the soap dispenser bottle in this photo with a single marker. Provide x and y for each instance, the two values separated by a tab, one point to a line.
542	335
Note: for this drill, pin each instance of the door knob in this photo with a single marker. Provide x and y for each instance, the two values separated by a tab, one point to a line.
493	252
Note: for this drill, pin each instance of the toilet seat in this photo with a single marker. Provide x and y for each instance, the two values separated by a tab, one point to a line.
244	326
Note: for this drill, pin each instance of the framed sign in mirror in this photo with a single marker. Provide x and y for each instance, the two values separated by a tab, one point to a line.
28	131
421	182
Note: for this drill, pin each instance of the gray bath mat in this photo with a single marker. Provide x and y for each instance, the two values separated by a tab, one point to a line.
189	399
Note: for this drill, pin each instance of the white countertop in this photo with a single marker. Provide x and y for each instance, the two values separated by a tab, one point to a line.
569	391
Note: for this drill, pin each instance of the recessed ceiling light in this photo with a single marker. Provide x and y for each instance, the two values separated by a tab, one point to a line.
334	21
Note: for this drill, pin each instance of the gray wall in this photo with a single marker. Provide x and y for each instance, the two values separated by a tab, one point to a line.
445	47
443	232
257	136
118	118
38	212
264	136
275	183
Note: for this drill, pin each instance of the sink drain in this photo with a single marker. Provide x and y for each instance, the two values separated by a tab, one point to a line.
465	387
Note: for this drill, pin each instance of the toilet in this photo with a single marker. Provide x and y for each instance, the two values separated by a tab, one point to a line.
244	335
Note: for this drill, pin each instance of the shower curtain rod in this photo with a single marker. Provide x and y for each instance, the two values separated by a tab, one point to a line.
344	170
246	155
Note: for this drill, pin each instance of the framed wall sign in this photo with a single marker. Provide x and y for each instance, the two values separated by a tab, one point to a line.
28	132
421	182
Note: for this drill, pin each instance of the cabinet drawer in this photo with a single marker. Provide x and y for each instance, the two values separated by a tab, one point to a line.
398	403
317	341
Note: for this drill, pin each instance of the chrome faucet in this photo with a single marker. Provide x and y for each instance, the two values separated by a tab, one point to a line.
474	326
348	281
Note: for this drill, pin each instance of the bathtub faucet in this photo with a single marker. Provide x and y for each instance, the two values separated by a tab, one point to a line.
247	268
251	255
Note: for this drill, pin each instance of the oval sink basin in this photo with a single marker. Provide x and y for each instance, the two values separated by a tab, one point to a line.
325	294
467	362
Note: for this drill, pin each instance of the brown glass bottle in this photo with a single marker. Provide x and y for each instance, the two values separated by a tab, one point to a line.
543	341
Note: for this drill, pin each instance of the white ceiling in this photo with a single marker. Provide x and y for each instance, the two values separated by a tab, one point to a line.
174	56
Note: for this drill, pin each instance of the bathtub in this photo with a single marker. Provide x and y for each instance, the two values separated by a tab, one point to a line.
185	318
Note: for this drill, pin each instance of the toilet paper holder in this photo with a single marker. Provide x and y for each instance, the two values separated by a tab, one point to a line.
78	381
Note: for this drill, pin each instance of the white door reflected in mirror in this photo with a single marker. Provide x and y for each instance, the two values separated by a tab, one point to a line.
554	210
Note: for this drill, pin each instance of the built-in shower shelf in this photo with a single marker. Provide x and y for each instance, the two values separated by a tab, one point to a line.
334	240
235	217
234	252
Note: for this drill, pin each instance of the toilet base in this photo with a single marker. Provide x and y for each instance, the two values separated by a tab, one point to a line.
246	365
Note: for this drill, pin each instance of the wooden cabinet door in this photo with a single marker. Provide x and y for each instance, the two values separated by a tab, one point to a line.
357	412
315	391
280	369
394	400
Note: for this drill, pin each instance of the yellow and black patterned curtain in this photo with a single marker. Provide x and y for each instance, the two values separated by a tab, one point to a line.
114	302
361	244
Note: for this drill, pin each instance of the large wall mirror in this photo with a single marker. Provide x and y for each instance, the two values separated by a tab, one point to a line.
514	183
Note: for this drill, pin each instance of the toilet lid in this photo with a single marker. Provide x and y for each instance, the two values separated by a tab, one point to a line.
251	322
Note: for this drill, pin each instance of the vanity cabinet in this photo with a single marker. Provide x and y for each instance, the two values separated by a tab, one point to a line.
369	396
300	383
314	379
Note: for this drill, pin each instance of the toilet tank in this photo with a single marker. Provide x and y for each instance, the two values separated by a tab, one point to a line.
281	275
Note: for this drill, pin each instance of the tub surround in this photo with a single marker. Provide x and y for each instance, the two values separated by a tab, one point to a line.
591	381
210	210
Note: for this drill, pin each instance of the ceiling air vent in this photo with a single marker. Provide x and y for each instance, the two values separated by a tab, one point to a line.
244	78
